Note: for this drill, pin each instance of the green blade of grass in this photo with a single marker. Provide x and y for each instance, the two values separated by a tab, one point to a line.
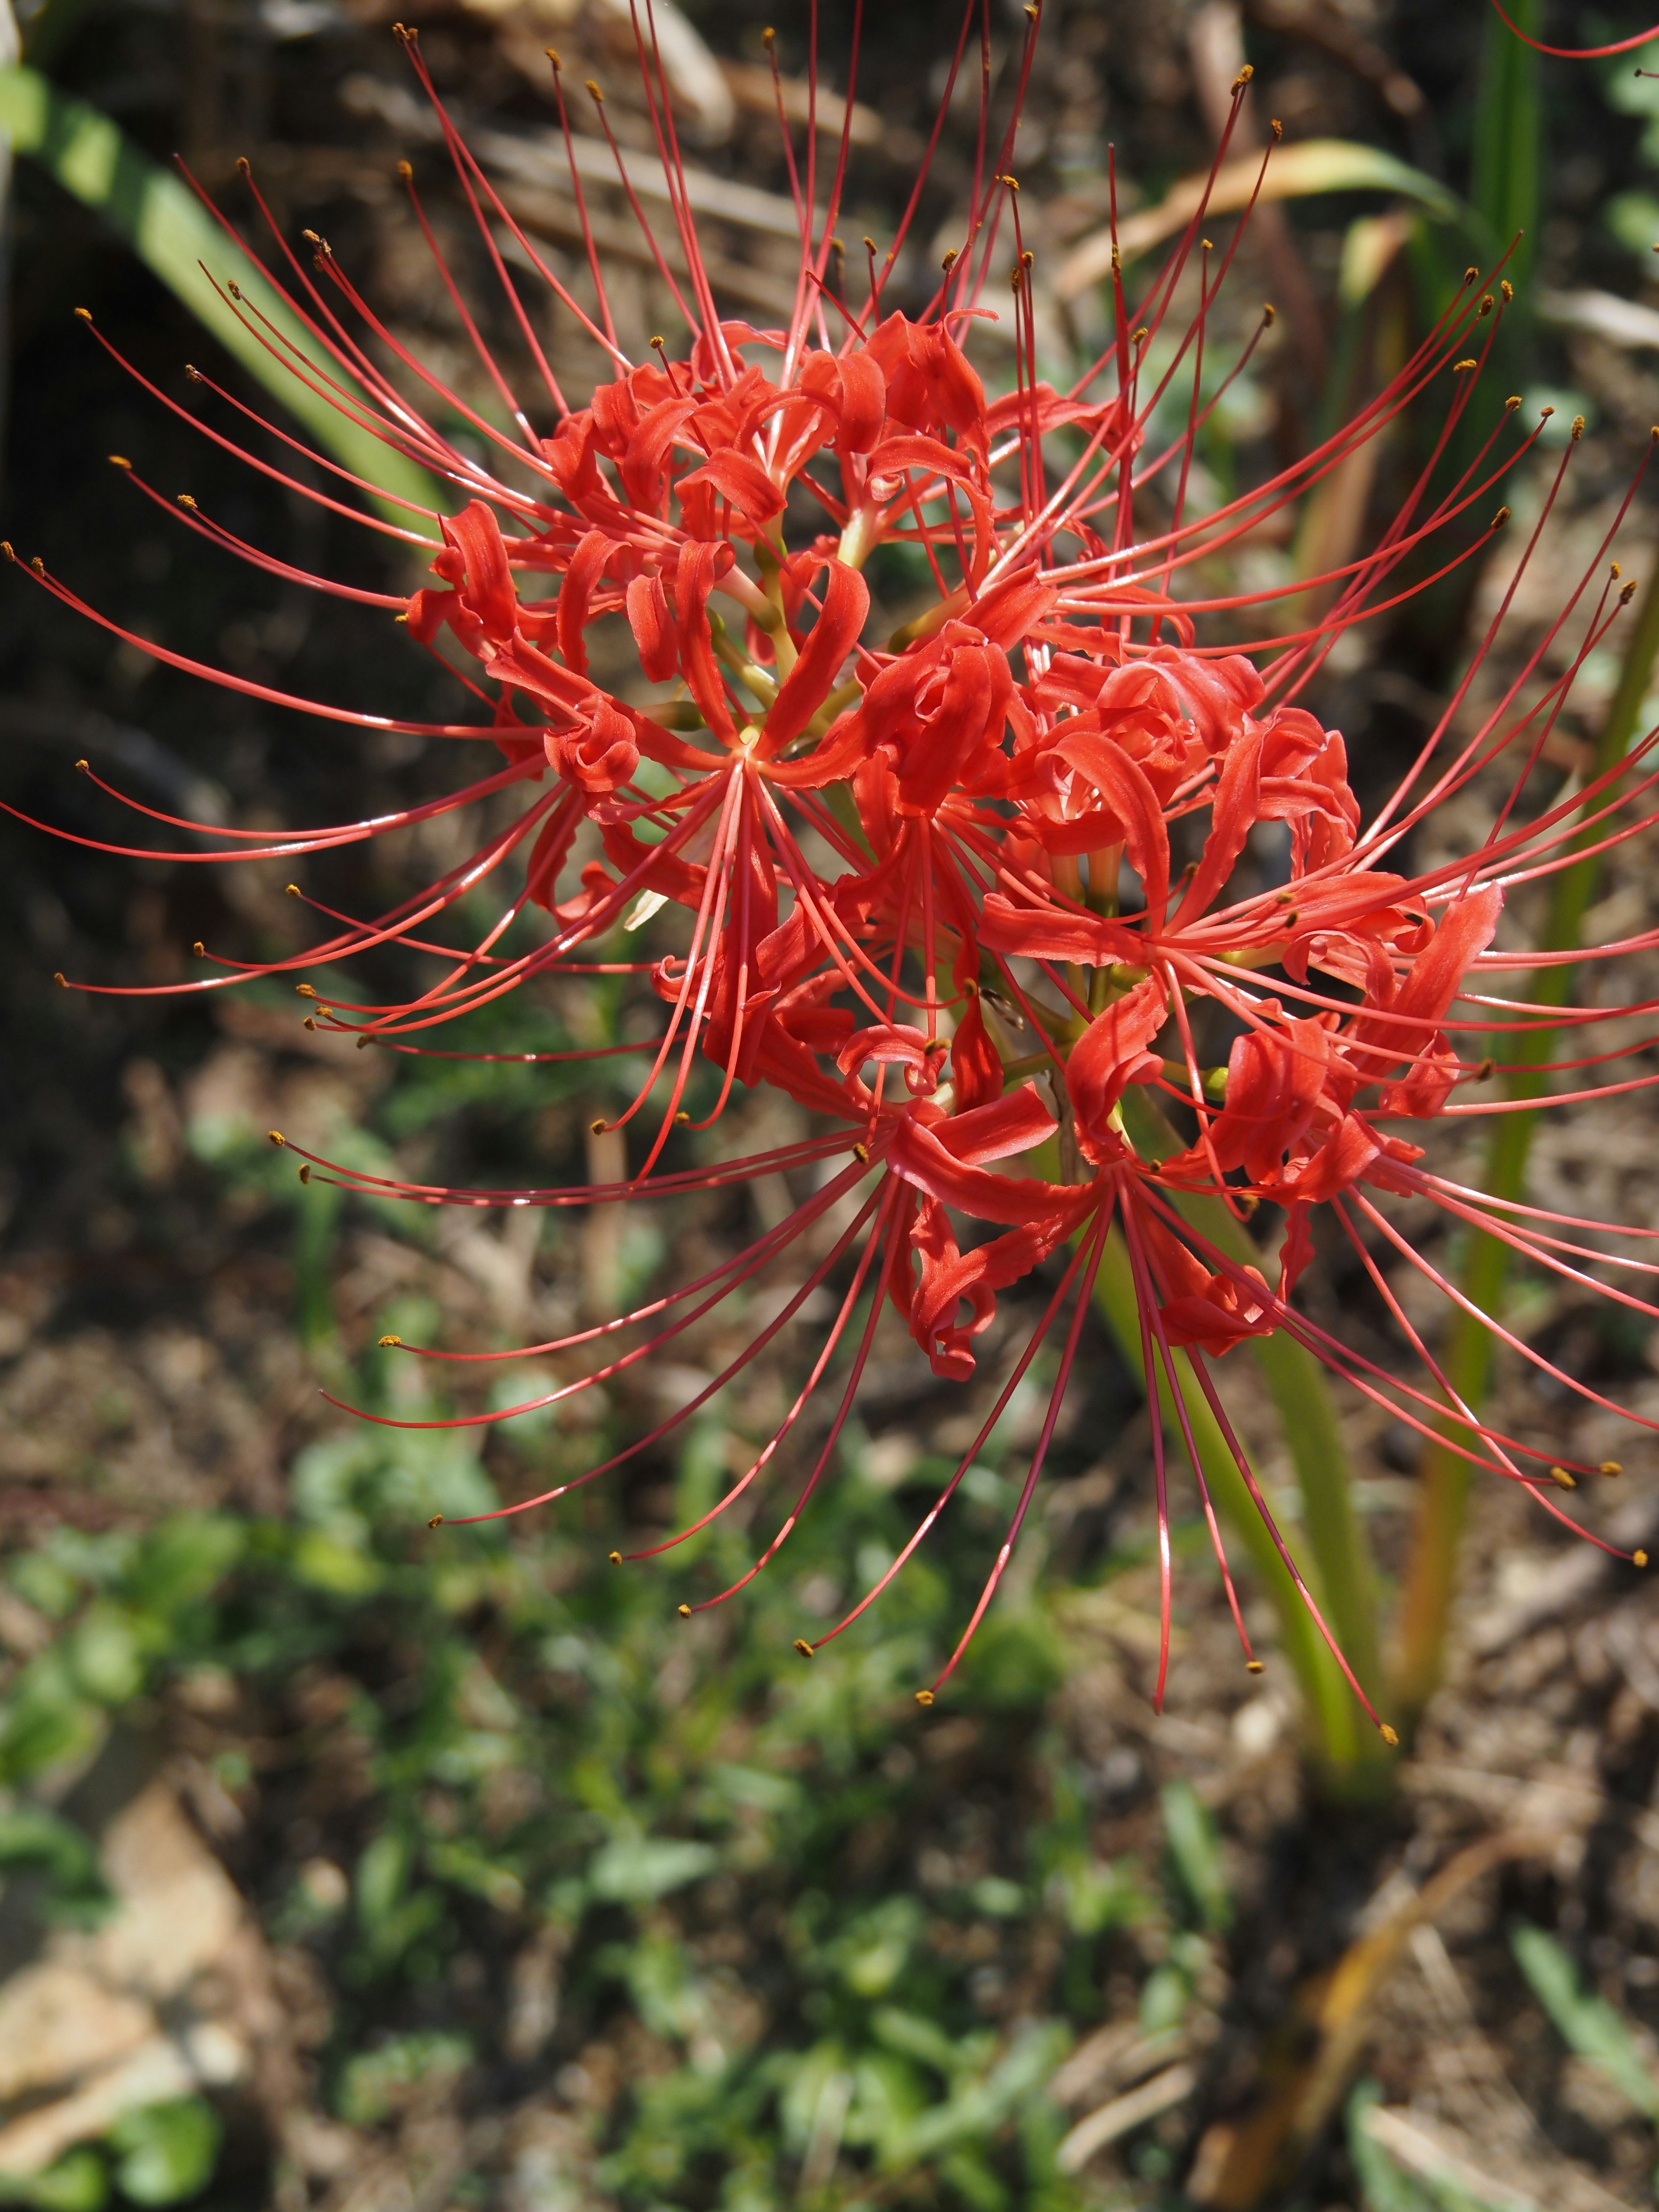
1503	181
1588	2024
1302	171
173	235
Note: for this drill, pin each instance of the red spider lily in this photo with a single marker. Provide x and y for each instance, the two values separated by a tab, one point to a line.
930	889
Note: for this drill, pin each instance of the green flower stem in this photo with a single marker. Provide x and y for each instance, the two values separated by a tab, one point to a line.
169	230
1343	1570
1340	1570
1342	1737
1444	1476
1343	1574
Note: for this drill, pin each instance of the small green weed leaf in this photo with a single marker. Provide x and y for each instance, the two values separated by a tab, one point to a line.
967	2173
636	1870
44	1582
1093	1898
1589	2025
104	1655
377	2082
1383	2186
915	2036
1633	219
1164	1995
328	1565
872	1953
997	1898
382	1877
77	2182
468	1868
181	1560
888	2097
165	2152
32	1836
1196	1854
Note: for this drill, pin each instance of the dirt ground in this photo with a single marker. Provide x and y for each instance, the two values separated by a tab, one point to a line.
169	1310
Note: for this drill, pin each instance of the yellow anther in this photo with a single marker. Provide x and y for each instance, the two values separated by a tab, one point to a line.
684	1612
803	1647
615	1559
924	1697
1612	1467
1562	1479
1254	1667
1390	1736
120	461
436	1522
275	1137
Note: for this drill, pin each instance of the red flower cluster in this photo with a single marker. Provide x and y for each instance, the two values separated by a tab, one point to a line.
931	887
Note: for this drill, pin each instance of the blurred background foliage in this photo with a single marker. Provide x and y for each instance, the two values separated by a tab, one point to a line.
544	1897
